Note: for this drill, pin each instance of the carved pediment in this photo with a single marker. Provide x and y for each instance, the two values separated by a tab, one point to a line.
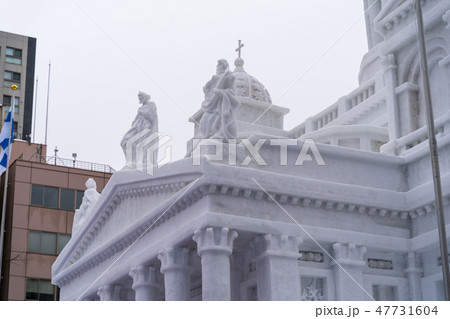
118	213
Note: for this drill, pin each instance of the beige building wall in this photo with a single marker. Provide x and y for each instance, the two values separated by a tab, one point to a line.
22	217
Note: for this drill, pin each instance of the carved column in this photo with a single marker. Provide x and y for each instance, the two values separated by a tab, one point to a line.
414	275
390	79
348	269
214	246
145	283
177	273
109	292
277	271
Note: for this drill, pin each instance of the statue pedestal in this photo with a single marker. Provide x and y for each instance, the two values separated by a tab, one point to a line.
141	151
216	150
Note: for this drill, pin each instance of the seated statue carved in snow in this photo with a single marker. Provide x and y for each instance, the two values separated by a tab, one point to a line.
89	199
140	143
218	120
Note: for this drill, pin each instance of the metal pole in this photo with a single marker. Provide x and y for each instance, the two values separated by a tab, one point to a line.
34	115
5	189
433	150
48	96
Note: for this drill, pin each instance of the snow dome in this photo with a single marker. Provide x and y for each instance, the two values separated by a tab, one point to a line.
247	85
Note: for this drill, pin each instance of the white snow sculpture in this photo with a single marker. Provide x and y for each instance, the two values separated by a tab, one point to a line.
89	199
218	120
140	143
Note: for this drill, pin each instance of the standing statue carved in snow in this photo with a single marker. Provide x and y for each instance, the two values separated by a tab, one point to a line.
89	199
218	120
140	143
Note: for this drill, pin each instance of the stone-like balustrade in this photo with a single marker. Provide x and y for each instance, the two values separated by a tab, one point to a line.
361	94
406	143
336	110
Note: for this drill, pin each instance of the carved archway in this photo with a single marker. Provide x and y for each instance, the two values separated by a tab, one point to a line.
437	49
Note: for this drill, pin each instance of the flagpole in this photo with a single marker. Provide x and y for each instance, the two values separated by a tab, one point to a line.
34	111
433	151
48	97
2	230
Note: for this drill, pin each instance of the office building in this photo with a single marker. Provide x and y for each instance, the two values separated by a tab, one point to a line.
42	196
17	64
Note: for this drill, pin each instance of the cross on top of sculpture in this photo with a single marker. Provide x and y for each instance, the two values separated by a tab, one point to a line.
238	50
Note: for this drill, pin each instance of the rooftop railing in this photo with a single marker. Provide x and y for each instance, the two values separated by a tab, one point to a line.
55	160
406	143
331	113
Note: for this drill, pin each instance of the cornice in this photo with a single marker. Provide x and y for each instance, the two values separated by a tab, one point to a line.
400	15
147	224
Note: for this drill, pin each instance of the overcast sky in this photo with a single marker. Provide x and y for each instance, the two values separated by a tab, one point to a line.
103	52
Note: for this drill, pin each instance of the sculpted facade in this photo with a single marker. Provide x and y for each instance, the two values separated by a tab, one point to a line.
360	225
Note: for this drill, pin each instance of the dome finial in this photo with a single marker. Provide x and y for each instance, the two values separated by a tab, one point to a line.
240	46
239	62
246	85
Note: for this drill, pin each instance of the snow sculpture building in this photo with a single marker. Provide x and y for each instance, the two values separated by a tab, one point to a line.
361	226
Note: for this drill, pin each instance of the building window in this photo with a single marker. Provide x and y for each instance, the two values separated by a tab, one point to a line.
42	242
13	56
51	195
80	195
40	289
46	243
11	78
16	109
54	197
7	100
44	196
63	239
67	199
37	195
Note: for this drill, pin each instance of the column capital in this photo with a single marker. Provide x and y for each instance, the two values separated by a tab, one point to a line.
349	254
143	276
177	273
109	292
219	239
280	245
173	258
277	270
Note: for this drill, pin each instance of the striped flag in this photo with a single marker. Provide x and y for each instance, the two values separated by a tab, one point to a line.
6	137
